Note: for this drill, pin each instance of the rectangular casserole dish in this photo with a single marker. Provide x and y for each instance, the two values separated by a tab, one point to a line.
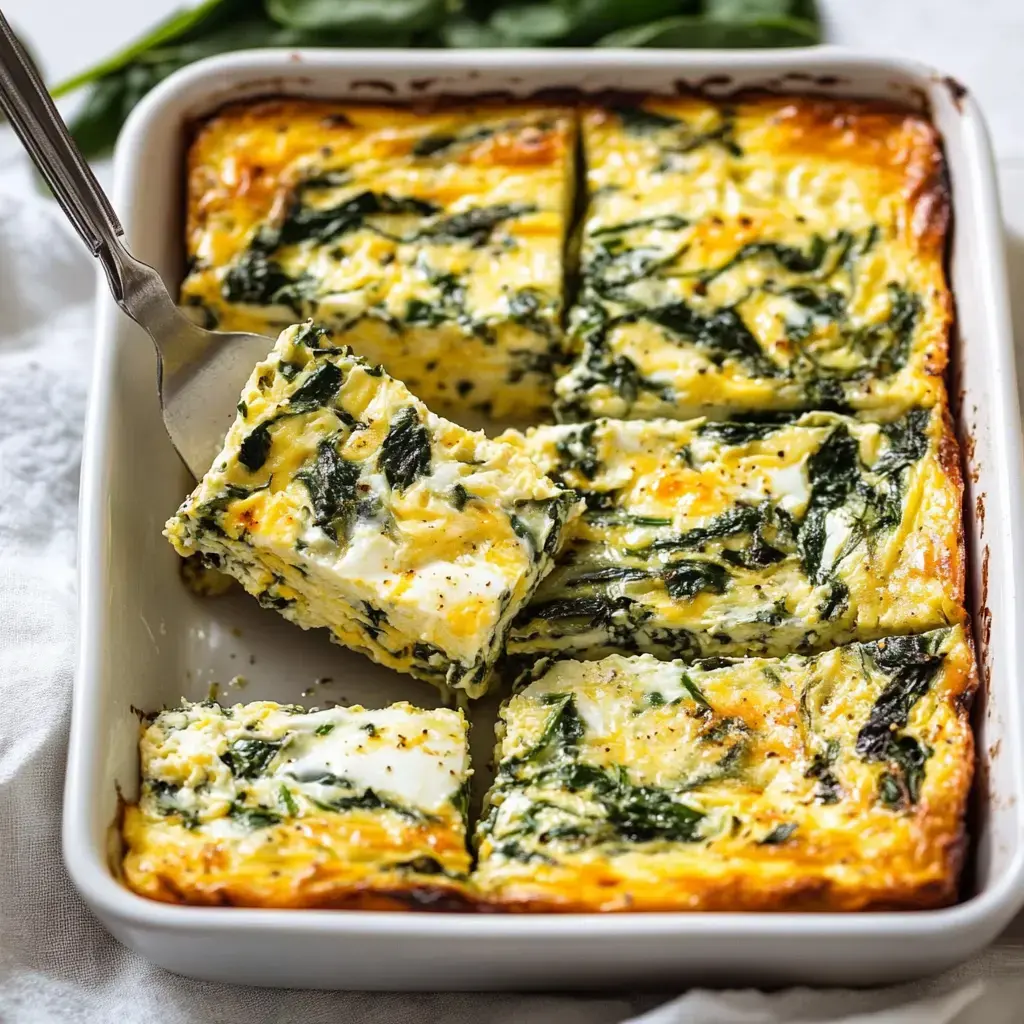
146	641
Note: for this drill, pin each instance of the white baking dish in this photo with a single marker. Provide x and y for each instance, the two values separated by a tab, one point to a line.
145	641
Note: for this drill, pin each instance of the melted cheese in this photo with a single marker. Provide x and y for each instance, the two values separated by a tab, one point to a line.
705	538
264	805
431	243
797	784
341	501
774	253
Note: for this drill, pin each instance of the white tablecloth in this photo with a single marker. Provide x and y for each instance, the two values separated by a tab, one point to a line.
56	962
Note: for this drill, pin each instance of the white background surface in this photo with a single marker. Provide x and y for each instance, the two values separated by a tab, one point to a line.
980	42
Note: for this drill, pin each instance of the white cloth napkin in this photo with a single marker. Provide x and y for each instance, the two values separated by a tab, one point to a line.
56	962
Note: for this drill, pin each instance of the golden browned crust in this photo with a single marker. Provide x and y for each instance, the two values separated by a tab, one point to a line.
949	459
247	158
860	853
356	860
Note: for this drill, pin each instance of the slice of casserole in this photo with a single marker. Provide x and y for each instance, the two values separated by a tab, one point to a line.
266	805
430	242
771	253
341	501
707	538
837	782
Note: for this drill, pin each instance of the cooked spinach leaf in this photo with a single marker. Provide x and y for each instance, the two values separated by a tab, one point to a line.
248	758
789	257
317	389
660	222
253	817
836	601
600	609
331	481
834	470
442	142
744	430
779	834
900	787
255	447
694	691
736	520
687	579
912	664
638	121
304	223
722	334
405	454
607	574
643	814
577	450
367	800
822	768
285	796
476	225
908	442
258	280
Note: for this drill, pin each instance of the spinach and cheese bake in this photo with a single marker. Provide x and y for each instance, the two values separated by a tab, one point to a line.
770	253
341	501
705	538
430	243
837	782
267	805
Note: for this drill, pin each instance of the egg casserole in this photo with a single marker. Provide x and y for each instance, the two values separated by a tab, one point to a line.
836	782
707	538
341	501
431	243
266	805
767	253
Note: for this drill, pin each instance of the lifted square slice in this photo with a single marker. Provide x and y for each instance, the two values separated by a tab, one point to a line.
707	538
430	242
341	501
266	805
769	253
832	783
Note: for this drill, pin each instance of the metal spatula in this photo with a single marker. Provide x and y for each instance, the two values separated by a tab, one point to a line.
200	373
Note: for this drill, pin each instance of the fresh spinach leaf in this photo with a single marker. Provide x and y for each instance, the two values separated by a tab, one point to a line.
118	83
697	32
366	17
